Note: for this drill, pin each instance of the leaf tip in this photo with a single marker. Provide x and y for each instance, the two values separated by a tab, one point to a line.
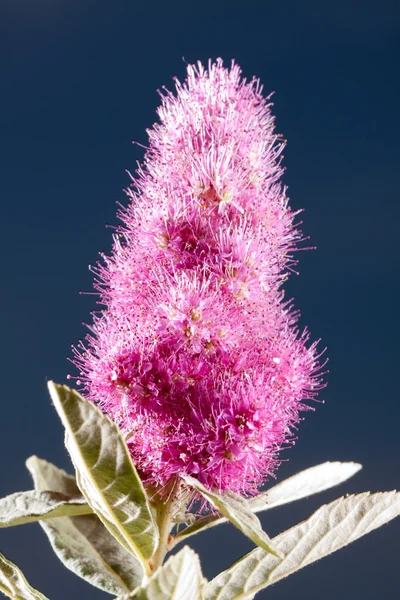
50	385
275	552
53	391
30	462
355	467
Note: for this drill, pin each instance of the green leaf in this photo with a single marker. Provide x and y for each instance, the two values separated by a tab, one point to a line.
106	474
235	509
47	476
82	543
303	484
13	583
331	527
179	578
25	507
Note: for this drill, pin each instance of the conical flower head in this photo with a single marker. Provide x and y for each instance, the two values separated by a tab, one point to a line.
196	356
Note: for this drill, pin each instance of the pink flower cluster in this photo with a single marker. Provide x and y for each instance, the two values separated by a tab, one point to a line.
196	356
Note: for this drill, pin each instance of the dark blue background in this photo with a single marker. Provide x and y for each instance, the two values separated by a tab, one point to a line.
78	82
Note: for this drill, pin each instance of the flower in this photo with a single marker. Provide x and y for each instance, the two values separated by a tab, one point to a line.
197	356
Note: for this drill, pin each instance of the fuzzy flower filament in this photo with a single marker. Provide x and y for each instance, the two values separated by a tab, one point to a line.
196	356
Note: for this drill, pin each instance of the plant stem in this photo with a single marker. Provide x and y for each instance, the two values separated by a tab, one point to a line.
164	522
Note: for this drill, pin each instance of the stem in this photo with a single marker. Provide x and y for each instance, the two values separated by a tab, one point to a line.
164	522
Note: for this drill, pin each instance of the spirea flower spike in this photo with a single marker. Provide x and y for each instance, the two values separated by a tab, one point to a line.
197	356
